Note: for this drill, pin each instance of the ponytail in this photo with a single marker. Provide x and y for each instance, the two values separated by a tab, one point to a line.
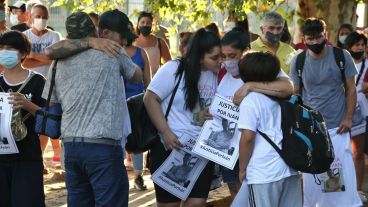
202	42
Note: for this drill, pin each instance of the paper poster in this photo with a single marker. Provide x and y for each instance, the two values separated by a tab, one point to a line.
219	142
7	142
181	169
333	179
224	108
241	198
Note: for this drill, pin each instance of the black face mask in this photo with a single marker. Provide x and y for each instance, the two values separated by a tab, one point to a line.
317	48
273	38
145	30
357	55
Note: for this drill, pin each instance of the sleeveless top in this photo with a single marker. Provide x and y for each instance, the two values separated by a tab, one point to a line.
132	89
154	57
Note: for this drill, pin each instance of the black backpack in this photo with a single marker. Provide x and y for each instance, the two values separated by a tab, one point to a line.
306	143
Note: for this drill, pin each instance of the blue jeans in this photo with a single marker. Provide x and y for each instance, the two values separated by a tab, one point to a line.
95	175
137	162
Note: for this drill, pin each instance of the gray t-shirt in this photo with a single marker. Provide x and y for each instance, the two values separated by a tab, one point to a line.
323	87
89	87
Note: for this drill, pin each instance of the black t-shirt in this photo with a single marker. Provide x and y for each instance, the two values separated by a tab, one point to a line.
20	27
29	148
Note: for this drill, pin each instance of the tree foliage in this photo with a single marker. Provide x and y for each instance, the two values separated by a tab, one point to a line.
97	6
199	12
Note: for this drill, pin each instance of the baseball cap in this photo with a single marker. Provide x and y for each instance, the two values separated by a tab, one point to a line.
116	21
18	5
79	25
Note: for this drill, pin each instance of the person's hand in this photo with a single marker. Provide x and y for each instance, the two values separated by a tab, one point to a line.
171	140
242	174
111	48
242	92
18	100
207	114
345	126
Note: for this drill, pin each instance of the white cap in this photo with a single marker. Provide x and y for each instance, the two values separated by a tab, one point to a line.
19	5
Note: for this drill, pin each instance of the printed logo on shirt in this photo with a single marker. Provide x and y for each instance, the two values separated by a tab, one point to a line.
28	96
40	47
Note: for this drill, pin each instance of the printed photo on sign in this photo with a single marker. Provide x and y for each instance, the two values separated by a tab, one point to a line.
7	142
219	142
222	139
223	108
333	179
180	170
200	111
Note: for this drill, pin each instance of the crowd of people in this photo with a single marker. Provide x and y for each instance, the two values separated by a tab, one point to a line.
105	59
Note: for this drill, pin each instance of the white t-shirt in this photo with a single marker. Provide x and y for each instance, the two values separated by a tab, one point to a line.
39	43
228	86
258	111
358	66
180	119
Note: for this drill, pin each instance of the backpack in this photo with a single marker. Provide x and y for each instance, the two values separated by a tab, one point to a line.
339	58
306	144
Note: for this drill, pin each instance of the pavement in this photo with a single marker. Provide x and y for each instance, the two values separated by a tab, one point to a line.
56	194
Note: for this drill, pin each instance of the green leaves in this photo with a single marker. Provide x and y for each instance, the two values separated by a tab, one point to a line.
98	6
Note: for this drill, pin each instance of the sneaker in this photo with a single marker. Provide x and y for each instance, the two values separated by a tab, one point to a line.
363	197
139	183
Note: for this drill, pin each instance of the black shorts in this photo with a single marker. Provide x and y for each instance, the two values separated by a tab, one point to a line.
158	155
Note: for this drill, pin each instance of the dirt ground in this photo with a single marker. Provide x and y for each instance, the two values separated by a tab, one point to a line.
56	194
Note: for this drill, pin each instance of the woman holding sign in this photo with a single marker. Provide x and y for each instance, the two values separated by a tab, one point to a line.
21	175
196	89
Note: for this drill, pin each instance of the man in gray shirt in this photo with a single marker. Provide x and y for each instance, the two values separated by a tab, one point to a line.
325	90
89	88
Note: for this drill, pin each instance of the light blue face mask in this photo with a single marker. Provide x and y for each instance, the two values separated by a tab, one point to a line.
9	58
2	15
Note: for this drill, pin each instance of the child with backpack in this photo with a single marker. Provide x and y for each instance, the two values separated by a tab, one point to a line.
270	180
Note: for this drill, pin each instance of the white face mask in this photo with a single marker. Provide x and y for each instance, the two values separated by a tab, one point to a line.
232	67
14	19
40	24
342	39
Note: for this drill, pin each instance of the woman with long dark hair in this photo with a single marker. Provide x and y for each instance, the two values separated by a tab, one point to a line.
197	87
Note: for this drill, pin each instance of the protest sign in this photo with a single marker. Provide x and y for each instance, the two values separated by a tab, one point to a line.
224	108
181	169
219	142
7	142
219	138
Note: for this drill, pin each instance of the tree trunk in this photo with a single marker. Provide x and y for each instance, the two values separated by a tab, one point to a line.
333	12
